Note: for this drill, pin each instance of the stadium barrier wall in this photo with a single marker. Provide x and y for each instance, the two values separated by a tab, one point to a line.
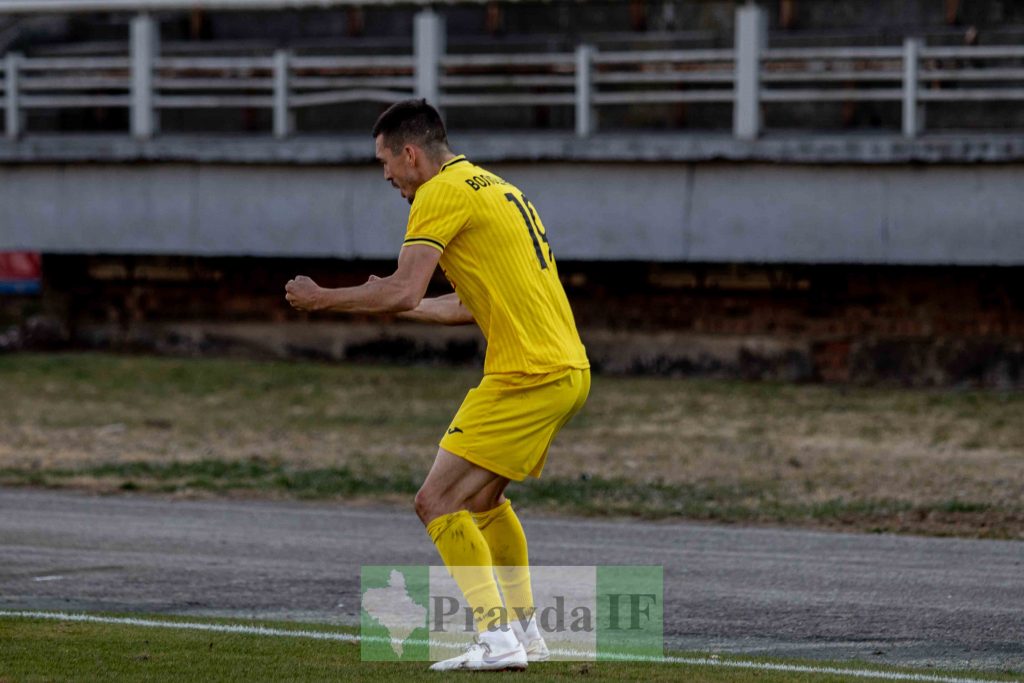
942	214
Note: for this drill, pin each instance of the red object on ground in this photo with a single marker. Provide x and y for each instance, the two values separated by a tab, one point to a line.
20	265
20	272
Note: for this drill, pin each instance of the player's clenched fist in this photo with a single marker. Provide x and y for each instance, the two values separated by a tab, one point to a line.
302	293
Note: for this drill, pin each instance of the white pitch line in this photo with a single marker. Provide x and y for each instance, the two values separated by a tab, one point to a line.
185	625
349	638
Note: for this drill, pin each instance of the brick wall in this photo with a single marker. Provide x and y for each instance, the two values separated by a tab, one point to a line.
916	325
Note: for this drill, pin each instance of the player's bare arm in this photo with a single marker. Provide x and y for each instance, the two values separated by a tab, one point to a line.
397	293
442	310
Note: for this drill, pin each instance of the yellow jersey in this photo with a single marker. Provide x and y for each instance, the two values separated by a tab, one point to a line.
495	252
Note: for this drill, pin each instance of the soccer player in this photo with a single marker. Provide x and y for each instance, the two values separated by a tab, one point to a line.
493	248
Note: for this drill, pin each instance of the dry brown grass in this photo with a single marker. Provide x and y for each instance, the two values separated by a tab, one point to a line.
805	444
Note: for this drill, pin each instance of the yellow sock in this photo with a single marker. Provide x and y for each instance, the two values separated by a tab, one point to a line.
507	542
468	558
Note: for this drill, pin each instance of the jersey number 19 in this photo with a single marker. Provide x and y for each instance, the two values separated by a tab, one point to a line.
530	218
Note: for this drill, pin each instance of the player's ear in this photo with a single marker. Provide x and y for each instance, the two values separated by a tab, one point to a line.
410	153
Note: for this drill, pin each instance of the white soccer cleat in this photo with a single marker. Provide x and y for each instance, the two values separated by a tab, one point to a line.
531	640
537	650
489	651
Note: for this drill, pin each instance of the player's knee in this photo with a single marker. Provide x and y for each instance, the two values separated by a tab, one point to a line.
428	507
422	505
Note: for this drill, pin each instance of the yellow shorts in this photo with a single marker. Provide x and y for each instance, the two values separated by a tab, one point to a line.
507	424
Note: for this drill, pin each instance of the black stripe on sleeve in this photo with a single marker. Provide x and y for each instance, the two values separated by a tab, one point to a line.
413	240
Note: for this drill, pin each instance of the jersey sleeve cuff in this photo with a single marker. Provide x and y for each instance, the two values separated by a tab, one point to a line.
429	241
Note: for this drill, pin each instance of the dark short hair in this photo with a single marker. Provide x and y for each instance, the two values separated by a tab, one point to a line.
412	121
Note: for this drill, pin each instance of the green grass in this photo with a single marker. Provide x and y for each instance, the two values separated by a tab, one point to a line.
50	650
869	459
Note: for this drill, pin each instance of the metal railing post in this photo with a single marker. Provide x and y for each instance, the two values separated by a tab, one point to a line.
428	48
284	120
145	48
750	40
913	111
12	108
586	116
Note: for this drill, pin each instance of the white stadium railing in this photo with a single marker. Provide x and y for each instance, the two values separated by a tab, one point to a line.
145	82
